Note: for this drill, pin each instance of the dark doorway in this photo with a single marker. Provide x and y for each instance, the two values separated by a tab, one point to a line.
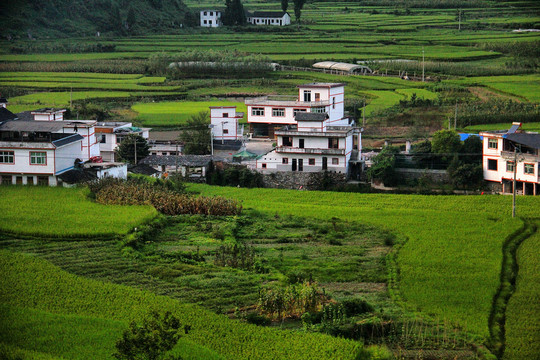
325	163
300	165
301	143
293	164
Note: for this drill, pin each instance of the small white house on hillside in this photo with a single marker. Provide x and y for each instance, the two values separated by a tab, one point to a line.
273	18
210	18
110	135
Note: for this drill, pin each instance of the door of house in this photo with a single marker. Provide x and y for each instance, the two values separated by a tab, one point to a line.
325	163
300	165
317	97
301	143
293	164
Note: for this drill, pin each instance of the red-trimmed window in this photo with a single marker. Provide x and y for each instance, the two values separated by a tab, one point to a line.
285	161
263	166
493	144
528	169
509	166
7	157
257	111
225	131
38	158
311	161
279	112
492	164
335	161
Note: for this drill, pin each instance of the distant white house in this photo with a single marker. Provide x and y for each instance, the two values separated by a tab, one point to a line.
111	134
501	149
210	18
273	18
224	123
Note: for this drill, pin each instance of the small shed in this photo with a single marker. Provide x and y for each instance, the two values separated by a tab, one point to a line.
190	166
342	67
244	155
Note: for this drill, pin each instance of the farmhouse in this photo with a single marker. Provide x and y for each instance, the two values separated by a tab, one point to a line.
315	144
275	18
190	166
37	152
210	18
512	153
268	113
224	123
111	134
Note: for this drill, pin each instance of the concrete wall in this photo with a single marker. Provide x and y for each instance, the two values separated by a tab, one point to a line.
434	175
305	181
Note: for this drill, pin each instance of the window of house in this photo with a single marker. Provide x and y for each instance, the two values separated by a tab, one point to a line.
301	143
211	13
6	179
333	143
296	111
257	111
492	164
38	158
103	139
205	13
285	161
333	103
206	22
492	143
307	95
510	166
318	109
225	131
226	115
528	169
311	161
335	161
287	141
278	112
7	157
263	166
43	180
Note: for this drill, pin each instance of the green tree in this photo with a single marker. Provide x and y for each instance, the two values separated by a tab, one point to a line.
464	175
131	19
114	21
472	150
284	5
234	13
446	142
383	166
130	144
196	134
149	340
298	5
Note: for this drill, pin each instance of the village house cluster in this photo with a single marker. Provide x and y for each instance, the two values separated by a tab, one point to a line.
212	18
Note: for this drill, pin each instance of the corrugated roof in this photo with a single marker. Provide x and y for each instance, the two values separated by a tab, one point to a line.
321	85
268	14
36	126
530	140
181	160
67	140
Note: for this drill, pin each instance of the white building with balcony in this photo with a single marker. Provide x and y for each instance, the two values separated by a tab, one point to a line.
268	113
315	144
509	152
224	123
210	18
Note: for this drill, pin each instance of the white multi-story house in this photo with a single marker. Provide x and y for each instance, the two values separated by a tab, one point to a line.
210	18
267	113
509	152
36	152
274	18
111	134
224	123
314	144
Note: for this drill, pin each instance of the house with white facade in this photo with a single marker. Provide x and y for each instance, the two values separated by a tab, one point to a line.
266	114
272	18
37	152
210	18
110	135
224	123
509	154
315	144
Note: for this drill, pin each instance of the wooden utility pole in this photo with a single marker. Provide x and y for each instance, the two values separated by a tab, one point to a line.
364	114
459	17
423	64
135	143
514	183
455	118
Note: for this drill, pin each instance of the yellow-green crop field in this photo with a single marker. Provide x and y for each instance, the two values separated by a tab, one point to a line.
62	213
450	263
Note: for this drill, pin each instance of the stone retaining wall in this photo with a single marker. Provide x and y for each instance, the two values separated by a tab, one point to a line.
302	180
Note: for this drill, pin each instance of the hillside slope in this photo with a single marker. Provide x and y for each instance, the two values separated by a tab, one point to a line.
57	18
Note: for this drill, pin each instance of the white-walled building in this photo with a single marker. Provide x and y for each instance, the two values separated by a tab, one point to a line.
313	145
499	160
210	18
272	18
110	135
224	123
267	113
36	152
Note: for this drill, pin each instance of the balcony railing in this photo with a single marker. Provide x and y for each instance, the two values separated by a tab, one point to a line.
284	100
509	155
296	150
